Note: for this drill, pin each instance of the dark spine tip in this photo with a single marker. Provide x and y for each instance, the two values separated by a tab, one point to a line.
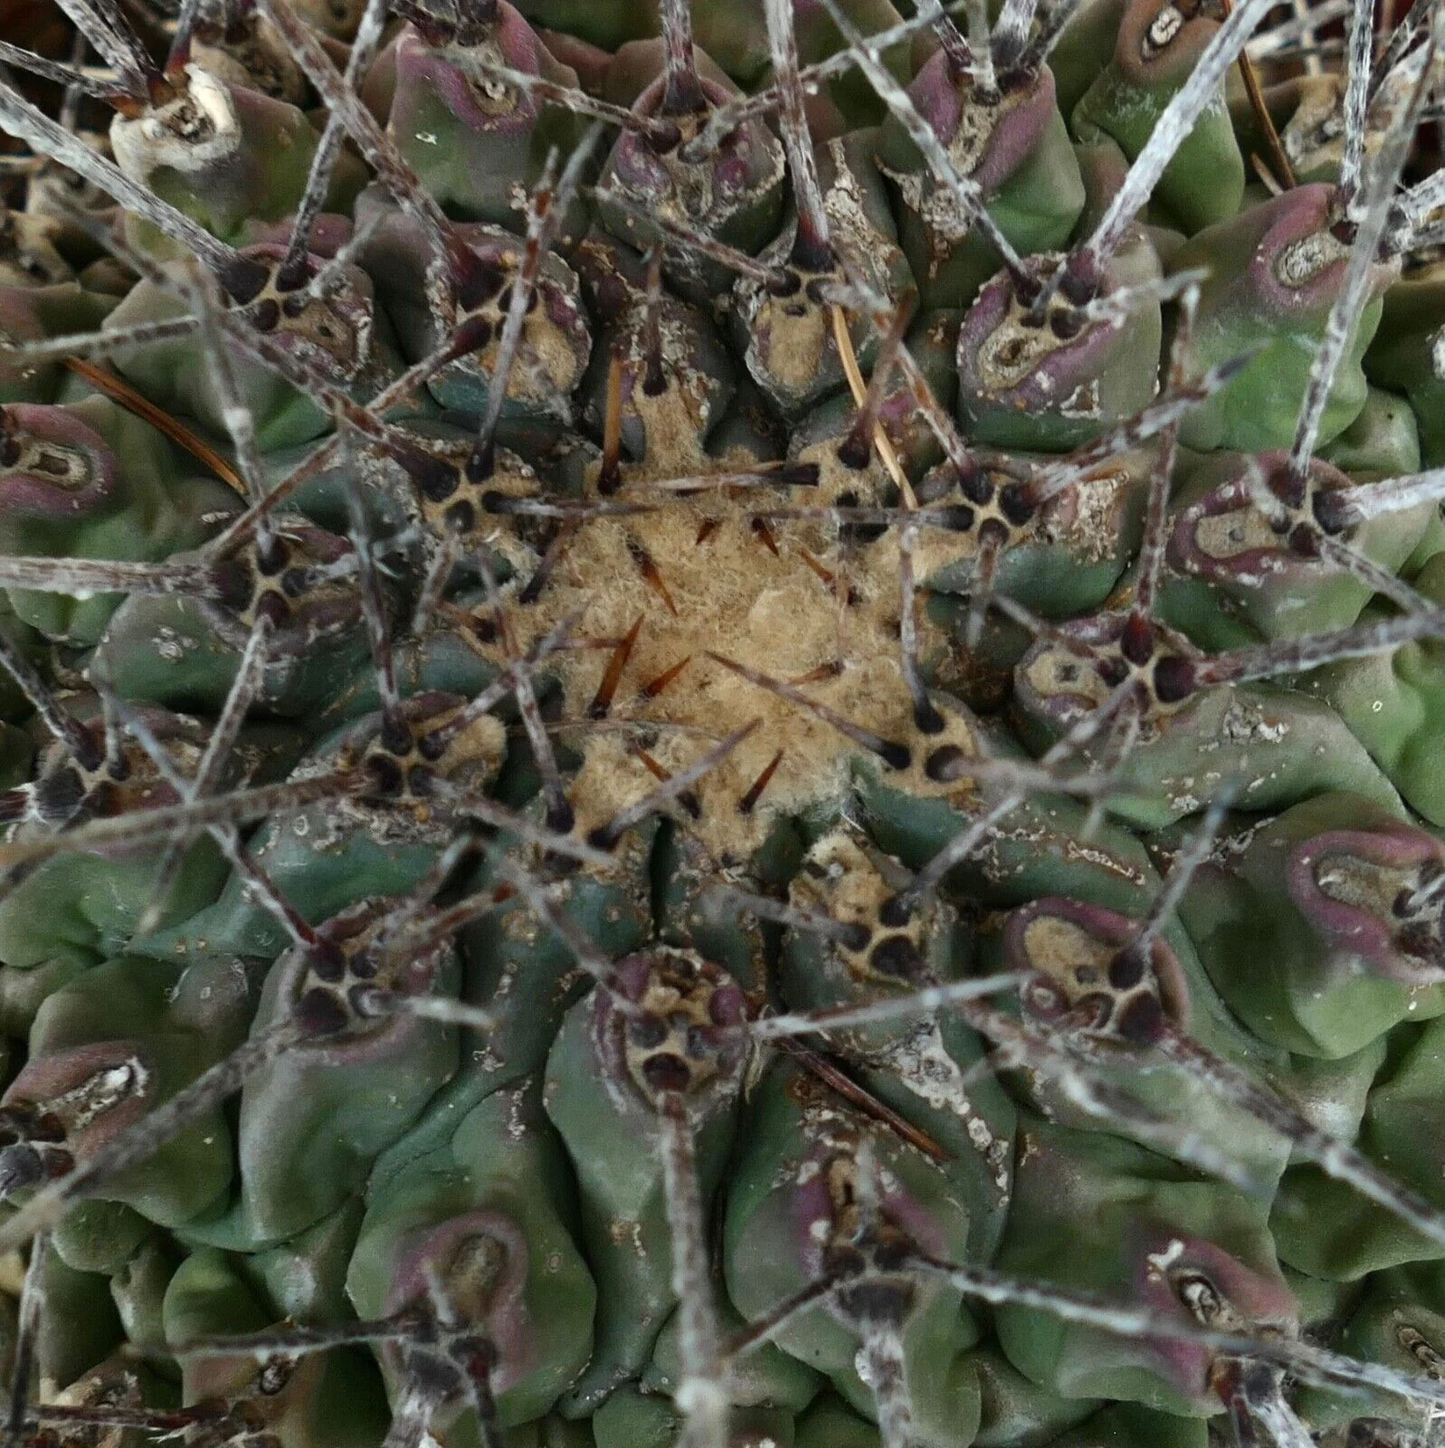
1142	1021
88	752
1026	288
667	1073
946	764
1127	968
293	273
664	136
893	754
244	279
471	336
57	796
435	478
395	737
320	1014
561	817
1304	541
683	96
899	957
479	16
327	960
927	719
385	776
811	253
478	283
1081	281
482	461
1017	503
272	555
272	607
1066	325
1175	679
647	1031
1136	642
976	485
896	911
1331	512
1113	671
1289	485
420	781
470	275
856	450
21	1167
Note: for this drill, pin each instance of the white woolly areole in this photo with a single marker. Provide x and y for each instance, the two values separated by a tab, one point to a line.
146	143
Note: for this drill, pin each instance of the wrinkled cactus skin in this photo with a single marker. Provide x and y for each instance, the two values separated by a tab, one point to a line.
722	724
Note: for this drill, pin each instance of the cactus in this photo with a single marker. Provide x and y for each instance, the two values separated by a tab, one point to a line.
720	724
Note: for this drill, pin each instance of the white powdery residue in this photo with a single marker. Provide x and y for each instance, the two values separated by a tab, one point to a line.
1083	401
516	1127
863	1367
1161	1262
1338	1118
844	202
169	645
1093	531
923	1063
101	1093
1074	850
1243	724
627	1232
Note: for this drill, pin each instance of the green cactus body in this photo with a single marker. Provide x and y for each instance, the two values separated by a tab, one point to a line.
791	1178
333	1401
1391	704
1321	1230
1405	356
1204	181
1269	289
92	481
1020	154
623	1200
479	1189
1152	1229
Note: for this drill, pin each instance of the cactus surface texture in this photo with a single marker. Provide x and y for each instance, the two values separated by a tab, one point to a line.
722	724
